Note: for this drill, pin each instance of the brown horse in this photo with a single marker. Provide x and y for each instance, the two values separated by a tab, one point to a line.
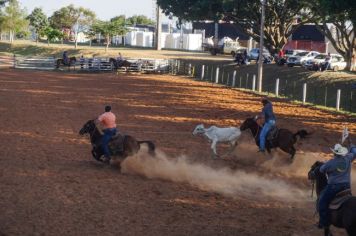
283	138
71	61
130	145
345	215
120	64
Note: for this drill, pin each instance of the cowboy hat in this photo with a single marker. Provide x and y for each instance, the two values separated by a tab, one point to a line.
339	150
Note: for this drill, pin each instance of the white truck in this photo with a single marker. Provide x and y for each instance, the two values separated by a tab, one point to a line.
227	47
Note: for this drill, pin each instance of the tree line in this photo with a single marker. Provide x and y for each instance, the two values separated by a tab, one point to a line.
336	19
63	23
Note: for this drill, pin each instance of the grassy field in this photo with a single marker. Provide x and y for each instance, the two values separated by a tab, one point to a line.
321	86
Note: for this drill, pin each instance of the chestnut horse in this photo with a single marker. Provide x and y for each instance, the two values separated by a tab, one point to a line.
71	61
117	64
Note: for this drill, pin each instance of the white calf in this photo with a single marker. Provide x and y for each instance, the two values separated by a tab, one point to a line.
219	135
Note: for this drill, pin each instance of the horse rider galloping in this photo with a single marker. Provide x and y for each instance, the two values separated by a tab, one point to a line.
65	58
108	121
338	170
270	120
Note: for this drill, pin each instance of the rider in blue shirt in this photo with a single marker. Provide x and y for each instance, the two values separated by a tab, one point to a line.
338	170
270	121
65	58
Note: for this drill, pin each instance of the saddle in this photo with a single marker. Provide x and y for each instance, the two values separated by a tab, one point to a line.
116	144
339	199
272	134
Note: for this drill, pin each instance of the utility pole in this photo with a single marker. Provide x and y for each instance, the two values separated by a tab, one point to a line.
260	58
158	28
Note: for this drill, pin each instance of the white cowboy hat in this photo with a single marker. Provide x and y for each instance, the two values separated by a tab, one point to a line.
339	150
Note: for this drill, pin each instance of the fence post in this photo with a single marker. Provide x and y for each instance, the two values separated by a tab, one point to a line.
202	72
217	75
326	96
304	92
212	74
193	71
277	87
240	82
14	61
189	69
338	96
234	79
228	78
254	83
222	76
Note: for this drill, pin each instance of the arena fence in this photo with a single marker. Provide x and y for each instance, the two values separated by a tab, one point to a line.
7	62
95	64
340	96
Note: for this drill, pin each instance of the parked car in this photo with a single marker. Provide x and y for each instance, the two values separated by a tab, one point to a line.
255	52
292	52
337	62
314	64
301	58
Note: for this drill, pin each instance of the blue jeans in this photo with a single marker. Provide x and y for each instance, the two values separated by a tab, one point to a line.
353	149
267	127
108	133
326	196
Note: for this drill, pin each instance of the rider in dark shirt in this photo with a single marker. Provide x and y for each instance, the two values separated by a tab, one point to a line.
270	121
338	170
65	58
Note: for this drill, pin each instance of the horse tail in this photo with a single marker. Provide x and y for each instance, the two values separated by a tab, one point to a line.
151	146
301	133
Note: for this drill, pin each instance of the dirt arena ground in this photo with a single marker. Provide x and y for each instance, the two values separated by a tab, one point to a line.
50	185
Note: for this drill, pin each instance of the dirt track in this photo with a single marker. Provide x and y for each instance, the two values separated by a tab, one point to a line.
50	185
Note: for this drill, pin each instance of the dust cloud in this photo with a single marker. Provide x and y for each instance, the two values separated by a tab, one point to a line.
232	183
278	162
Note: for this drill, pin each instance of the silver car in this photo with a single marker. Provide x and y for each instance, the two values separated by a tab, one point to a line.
314	64
255	52
301	58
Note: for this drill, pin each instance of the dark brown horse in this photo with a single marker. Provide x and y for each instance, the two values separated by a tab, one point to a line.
120	64
284	139
71	61
345	216
130	145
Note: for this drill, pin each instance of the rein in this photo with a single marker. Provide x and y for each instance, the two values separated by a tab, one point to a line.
258	129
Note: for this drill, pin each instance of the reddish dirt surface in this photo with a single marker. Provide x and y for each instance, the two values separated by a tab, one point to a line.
50	185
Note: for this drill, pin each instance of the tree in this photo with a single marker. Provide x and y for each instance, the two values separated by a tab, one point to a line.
71	19
52	34
83	19
2	2
13	19
280	17
336	19
60	20
109	28
139	19
38	20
